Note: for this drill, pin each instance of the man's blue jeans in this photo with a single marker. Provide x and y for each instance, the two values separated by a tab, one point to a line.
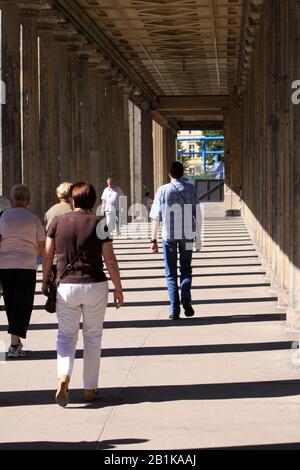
170	249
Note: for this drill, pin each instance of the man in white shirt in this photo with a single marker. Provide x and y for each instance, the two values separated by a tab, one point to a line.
175	205
110	205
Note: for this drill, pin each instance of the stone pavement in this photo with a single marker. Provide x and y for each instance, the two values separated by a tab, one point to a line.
224	378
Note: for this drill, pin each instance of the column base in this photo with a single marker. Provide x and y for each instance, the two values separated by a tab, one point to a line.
232	203
275	286
283	298
266	266
292	320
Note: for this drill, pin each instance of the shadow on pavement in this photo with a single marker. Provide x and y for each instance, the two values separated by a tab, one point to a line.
167	350
117	396
165	323
83	445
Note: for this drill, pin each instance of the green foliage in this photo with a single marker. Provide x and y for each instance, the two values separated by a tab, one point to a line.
183	158
203	176
179	146
214	145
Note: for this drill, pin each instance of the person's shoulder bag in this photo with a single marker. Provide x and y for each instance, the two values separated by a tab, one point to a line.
50	305
198	234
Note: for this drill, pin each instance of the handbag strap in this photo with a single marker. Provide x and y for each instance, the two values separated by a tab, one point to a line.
182	197
70	265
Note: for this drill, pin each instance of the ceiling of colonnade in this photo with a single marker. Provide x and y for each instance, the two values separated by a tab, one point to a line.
178	47
167	48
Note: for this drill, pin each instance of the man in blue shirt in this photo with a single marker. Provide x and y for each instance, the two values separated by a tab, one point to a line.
175	206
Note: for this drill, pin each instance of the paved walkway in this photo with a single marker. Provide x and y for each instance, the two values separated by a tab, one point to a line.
223	378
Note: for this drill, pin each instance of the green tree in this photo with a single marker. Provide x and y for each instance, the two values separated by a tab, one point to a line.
214	145
183	158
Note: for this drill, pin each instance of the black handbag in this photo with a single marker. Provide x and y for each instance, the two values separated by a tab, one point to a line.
50	305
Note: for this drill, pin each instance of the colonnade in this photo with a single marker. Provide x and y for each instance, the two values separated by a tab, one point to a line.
68	112
271	150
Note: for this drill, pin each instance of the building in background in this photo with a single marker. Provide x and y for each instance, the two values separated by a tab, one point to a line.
202	153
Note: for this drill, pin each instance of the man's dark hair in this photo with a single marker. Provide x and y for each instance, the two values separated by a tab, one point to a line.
176	170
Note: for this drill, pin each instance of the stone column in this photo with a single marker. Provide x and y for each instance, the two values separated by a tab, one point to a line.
170	149
117	133
232	131
102	110
98	158
48	147
158	154
121	137
84	109
95	142
31	134
135	145
63	127
141	152
74	113
10	158
147	153
293	312
125	167
108	123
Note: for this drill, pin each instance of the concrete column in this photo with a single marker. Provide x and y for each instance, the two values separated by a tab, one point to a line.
158	155
48	147
95	123
74	113
125	162
170	150
232	131
135	145
267	258
283	104
63	130
84	117
293	312
31	137
117	128
165	162
167	150
120	139
104	116
110	150
10	158
141	152
147	153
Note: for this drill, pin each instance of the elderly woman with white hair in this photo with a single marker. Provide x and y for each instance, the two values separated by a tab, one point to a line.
22	240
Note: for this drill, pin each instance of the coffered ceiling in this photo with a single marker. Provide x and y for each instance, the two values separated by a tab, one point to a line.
177	47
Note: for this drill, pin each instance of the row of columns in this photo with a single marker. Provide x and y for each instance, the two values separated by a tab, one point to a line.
164	152
232	156
271	151
67	115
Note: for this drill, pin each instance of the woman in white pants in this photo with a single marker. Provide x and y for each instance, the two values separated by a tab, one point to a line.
83	291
